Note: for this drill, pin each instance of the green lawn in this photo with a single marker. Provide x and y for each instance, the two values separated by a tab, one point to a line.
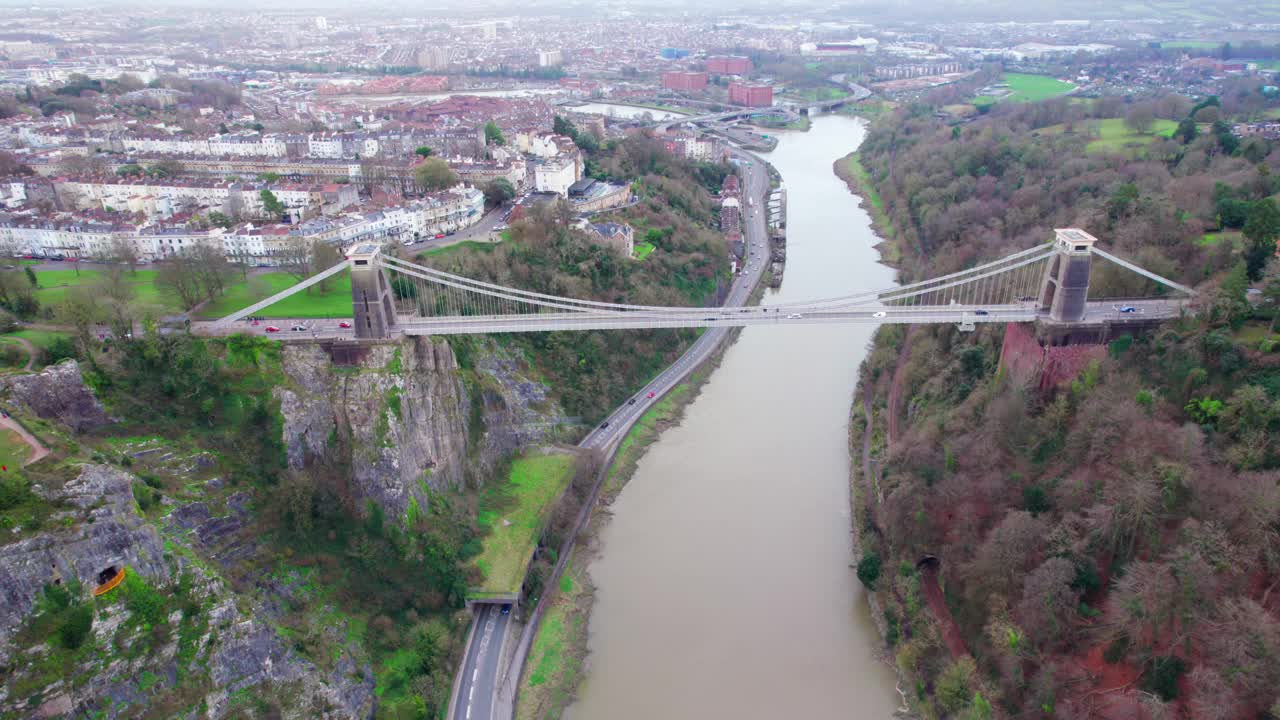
1253	333
40	338
1025	87
336	302
514	513
644	250
1115	136
1191	44
53	286
464	245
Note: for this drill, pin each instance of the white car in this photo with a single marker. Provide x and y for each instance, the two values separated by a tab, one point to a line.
879	314
794	316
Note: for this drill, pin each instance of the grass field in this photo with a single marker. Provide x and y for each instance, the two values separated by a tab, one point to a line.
464	245
555	659
644	250
53	286
1252	333
40	338
514	513
336	302
1191	45
1025	87
1115	136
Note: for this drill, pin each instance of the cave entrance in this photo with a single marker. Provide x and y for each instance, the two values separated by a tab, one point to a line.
108	579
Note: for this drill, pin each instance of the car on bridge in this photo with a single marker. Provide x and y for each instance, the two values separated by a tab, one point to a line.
299	328
1127	309
651	393
879	314
272	328
344	324
794	316
981	312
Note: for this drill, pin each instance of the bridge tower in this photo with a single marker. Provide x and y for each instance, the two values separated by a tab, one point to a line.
1065	287
374	311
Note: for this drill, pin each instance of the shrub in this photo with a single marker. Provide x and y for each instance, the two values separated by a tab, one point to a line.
869	569
75	626
1162	676
1035	500
143	602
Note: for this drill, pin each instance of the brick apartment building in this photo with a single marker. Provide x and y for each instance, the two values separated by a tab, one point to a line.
684	81
728	65
751	95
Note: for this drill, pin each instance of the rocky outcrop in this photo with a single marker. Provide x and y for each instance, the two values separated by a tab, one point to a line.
403	418
58	393
99	528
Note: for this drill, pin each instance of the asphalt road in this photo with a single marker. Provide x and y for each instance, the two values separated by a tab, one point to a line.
480	668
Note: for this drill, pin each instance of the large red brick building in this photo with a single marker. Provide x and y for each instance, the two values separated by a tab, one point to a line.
728	65
751	95
684	81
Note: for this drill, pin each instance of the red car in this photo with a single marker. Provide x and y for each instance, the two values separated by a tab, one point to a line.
650	394
439	235
344	324
272	328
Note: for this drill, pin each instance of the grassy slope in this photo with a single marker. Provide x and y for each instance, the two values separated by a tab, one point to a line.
514	513
555	660
55	284
13	451
643	250
1115	136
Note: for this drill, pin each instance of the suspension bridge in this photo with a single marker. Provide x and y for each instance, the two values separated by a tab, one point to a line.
1047	283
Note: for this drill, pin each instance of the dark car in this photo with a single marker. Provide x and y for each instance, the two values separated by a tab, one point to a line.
981	312
506	609
1127	309
604	424
632	401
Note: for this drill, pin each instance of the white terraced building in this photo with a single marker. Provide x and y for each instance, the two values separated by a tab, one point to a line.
250	244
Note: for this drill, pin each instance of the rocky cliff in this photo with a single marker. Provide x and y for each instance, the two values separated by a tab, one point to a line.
58	393
405	417
97	527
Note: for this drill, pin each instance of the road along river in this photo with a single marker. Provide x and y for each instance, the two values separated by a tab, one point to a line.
723	584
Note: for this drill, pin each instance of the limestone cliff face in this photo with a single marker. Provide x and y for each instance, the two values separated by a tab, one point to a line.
58	393
404	417
98	528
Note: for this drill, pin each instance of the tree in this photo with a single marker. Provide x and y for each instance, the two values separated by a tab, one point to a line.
17	293
295	257
424	151
122	252
323	257
498	191
80	309
269	177
493	134
434	175
271	204
869	569
1048	600
1140	118
221	220
1186	131
178	276
130	169
1262	228
564	126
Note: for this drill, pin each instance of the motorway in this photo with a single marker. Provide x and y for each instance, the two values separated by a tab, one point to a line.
484	656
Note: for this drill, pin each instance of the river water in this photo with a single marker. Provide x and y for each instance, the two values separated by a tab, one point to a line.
724	586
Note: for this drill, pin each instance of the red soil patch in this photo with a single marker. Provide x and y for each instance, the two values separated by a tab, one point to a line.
938	606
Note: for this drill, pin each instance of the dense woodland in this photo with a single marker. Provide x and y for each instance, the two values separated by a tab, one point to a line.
594	372
1110	548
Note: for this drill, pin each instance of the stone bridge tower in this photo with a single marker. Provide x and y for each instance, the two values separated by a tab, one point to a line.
1065	287
374	311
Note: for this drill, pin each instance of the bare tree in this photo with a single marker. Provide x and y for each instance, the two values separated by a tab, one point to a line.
295	258
1048	601
81	311
178	275
323	257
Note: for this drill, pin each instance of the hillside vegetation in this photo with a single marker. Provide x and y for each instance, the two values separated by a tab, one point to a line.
1109	547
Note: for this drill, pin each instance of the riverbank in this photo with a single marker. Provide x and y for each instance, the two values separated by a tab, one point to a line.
849	169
